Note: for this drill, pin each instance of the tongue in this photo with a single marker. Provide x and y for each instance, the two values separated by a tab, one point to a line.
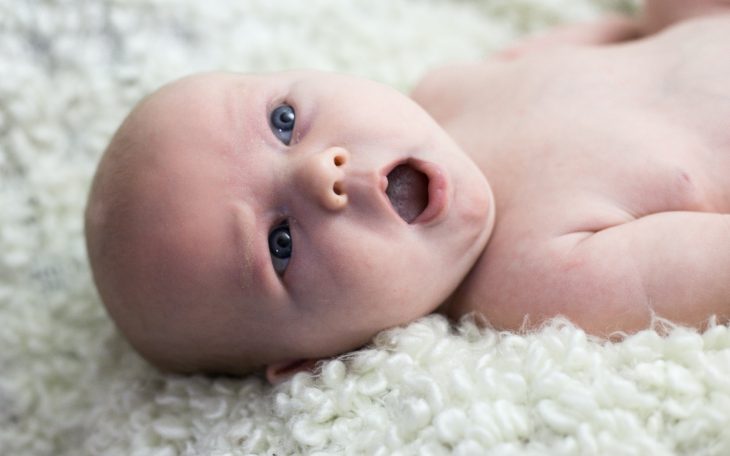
408	191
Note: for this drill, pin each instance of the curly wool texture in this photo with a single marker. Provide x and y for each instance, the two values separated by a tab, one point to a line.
427	389
69	385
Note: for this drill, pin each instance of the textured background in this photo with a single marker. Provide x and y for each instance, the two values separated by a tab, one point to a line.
69	72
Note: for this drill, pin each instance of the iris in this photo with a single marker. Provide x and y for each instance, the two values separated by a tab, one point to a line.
282	123
280	246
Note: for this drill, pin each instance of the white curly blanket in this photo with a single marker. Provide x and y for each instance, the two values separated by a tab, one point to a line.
70	386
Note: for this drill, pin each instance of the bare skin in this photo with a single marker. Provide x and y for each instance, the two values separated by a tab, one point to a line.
584	173
613	200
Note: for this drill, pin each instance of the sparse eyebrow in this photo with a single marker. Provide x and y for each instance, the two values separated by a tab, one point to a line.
245	229
256	273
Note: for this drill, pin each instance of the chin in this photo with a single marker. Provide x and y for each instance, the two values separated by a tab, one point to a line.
473	218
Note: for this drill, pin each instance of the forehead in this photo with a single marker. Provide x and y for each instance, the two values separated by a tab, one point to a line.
189	112
195	131
212	140
182	172
225	111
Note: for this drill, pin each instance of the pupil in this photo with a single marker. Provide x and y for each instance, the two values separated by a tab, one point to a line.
286	117
283	240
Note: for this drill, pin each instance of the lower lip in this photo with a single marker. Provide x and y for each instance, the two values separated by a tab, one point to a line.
438	198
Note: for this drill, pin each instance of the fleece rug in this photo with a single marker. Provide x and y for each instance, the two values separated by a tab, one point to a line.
70	385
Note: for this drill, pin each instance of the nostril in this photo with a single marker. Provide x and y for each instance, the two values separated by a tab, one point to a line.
339	160
337	188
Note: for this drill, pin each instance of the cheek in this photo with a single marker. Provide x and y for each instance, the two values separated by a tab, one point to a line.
369	282
371	265
339	260
347	257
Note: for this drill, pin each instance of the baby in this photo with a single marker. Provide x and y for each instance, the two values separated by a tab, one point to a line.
244	221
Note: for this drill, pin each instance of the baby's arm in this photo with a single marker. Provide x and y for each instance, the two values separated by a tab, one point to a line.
676	264
659	14
609	30
656	15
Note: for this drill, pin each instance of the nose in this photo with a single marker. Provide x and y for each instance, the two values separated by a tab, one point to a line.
321	175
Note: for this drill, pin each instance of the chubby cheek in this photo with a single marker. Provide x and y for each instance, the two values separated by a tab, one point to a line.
341	266
385	282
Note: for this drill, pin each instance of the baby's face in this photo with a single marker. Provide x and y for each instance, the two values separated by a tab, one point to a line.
266	209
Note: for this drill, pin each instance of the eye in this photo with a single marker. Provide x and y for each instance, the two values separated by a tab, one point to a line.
280	247
282	123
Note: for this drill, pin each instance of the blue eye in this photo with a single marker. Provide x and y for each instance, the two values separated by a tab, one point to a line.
282	123
280	247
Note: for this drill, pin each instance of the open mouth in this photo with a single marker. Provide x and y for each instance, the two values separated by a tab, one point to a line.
407	191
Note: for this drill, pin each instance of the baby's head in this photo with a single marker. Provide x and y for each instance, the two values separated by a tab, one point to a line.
240	221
